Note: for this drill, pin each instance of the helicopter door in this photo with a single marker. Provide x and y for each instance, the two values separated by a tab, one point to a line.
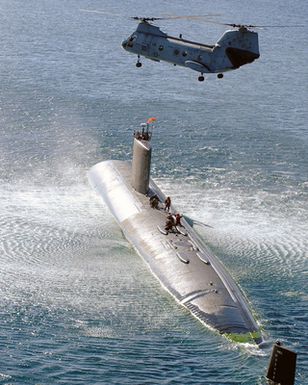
145	45
157	47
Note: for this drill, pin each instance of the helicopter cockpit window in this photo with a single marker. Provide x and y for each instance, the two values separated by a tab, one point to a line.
131	40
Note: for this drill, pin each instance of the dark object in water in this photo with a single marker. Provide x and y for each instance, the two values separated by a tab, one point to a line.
281	369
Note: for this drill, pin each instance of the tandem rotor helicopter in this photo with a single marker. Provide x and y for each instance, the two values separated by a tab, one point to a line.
234	49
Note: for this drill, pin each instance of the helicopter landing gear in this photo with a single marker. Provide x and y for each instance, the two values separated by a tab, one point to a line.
138	64
220	76
201	78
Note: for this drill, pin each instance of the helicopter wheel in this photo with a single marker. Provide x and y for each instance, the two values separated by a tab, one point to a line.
201	78
220	76
138	64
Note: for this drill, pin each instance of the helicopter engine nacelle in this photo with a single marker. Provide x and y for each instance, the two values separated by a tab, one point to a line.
241	47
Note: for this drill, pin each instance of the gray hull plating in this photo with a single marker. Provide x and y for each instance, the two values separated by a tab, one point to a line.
181	262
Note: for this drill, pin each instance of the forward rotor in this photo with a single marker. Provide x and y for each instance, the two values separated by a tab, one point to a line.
171	17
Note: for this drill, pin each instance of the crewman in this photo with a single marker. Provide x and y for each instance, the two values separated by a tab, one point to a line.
167	204
169	223
178	220
154	201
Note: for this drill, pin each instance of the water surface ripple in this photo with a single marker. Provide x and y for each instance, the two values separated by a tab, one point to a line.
77	305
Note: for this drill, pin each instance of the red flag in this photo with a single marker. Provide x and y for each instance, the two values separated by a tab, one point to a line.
151	120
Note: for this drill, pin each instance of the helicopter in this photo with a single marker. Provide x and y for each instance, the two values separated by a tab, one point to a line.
234	49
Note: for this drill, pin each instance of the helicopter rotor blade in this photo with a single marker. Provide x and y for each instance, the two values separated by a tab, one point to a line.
189	17
233	25
172	17
260	26
204	18
139	18
100	11
275	26
91	10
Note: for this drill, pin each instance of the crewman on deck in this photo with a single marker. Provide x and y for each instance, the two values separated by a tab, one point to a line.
167	204
154	201
169	223
178	220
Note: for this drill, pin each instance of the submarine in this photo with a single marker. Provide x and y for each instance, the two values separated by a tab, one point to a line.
176	255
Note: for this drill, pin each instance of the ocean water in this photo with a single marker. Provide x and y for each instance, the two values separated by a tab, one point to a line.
77	305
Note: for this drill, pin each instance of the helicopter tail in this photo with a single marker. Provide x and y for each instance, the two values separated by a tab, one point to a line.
241	46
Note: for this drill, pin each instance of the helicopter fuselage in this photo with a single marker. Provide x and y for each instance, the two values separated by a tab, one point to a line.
234	49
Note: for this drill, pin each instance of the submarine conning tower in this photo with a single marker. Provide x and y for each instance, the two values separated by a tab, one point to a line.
141	164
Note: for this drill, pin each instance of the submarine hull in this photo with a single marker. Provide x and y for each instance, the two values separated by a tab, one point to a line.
180	260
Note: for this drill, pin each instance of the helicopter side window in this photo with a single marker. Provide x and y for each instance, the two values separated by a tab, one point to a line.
131	40
161	47
184	53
